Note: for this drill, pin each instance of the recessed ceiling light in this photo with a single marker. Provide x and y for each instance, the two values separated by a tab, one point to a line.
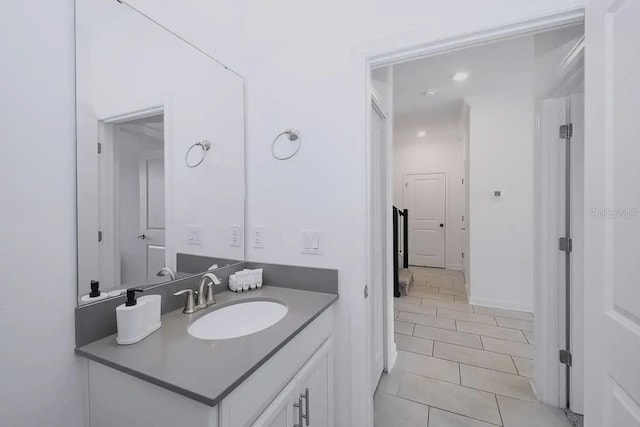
422	133
460	76
429	93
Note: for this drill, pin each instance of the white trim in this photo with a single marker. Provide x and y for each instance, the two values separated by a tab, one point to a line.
549	277
496	303
389	52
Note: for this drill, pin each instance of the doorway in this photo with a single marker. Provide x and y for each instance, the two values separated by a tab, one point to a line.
449	317
425	197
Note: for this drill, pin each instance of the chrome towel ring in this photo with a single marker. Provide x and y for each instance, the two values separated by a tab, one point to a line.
293	136
205	146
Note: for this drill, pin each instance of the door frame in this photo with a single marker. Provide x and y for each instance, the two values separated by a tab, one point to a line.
405	181
549	286
108	198
386	193
386	53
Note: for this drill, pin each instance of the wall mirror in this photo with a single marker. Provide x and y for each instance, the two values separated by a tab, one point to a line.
160	153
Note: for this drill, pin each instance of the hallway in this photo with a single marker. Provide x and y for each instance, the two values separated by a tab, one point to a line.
459	365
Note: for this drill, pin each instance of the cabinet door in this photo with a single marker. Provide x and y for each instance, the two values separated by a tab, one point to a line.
280	413
314	385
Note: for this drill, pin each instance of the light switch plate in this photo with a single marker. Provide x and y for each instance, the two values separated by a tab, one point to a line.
236	235
311	242
258	237
194	235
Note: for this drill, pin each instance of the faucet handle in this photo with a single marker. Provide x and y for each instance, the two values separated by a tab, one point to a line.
190	304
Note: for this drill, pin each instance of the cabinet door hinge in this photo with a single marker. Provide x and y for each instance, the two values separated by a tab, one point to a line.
566	131
565	244
565	357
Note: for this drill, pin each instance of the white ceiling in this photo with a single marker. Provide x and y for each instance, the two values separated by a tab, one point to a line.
493	68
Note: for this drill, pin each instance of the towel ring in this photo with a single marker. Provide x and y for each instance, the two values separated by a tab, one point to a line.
293	136
205	146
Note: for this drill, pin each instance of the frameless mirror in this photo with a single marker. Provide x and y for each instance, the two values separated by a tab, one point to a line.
160	153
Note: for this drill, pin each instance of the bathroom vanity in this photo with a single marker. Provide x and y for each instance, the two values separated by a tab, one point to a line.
280	376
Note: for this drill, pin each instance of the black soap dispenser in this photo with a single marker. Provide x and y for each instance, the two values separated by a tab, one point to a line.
131	297
95	289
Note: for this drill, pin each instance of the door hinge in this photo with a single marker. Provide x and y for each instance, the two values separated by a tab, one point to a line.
99	148
565	357
565	244
463	180
366	291
462	254
566	131
99	236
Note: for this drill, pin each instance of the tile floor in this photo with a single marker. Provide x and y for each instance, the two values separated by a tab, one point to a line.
459	365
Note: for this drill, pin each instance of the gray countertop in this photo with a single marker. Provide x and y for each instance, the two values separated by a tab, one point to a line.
208	370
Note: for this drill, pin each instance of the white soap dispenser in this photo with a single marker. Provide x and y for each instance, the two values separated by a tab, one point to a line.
133	319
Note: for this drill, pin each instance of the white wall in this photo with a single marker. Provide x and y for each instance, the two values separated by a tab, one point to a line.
428	155
502	130
41	382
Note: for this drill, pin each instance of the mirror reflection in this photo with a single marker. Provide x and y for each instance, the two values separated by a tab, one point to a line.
160	154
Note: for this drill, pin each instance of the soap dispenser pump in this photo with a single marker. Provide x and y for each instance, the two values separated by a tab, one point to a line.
131	297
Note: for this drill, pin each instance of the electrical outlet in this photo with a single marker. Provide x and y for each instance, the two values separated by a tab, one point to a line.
258	237
194	235
236	236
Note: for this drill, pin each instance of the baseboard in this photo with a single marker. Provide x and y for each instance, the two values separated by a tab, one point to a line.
496	303
458	267
393	356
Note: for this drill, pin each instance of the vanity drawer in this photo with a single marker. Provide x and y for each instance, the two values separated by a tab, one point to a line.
245	404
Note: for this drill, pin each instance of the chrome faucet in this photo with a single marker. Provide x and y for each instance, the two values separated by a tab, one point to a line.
166	271
205	295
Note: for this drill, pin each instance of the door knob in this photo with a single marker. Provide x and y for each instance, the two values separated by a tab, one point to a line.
441	225
142	236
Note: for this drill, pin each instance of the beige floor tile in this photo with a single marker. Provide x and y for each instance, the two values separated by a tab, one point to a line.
440	418
513	314
453	291
436	322
466	308
450	397
496	382
467	317
516	413
391	411
411	299
475	357
411	308
524	366
439	297
523	325
508	347
428	366
491	331
403	327
452	337
414	344
461	300
531	336
390	383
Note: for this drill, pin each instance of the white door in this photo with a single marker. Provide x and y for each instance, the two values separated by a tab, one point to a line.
612	221
378	213
425	196
152	224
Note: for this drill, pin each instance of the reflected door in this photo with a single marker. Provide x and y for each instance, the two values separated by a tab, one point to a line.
425	199
152	219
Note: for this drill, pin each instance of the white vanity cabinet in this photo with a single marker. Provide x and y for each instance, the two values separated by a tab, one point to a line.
305	401
298	377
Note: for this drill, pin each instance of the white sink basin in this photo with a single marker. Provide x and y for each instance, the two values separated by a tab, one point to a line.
237	320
